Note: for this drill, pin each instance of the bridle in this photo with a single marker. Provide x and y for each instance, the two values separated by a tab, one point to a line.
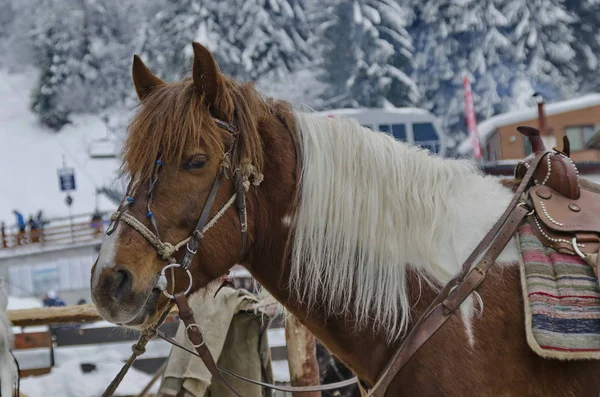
242	175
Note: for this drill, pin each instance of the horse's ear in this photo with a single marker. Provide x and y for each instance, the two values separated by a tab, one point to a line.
209	80
143	79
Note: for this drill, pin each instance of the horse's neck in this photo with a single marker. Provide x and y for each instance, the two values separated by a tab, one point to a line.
468	210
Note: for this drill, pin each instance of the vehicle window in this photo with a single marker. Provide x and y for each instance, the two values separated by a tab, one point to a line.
399	131
424	132
384	128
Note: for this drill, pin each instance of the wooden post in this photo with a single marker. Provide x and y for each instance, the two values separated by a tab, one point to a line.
302	356
3	235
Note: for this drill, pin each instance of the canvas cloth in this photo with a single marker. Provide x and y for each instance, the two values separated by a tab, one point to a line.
235	334
562	301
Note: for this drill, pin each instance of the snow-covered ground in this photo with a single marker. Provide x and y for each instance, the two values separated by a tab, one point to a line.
69	380
31	154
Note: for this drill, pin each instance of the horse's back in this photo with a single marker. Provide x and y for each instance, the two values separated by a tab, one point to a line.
491	356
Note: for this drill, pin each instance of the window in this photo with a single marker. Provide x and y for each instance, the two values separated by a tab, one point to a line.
493	149
399	131
424	132
384	128
426	137
579	136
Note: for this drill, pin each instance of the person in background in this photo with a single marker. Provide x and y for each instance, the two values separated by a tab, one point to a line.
39	220
34	233
52	299
97	222
21	225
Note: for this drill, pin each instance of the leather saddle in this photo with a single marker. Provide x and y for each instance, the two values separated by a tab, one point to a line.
566	214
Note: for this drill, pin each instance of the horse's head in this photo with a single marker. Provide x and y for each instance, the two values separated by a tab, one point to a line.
187	163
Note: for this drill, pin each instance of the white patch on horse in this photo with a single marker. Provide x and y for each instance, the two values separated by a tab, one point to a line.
287	221
370	207
106	257
467	311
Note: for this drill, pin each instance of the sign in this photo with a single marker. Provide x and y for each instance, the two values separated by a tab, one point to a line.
69	200
66	179
471	119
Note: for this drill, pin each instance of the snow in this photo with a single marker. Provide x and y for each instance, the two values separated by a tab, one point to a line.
355	111
68	379
18	303
487	127
30	162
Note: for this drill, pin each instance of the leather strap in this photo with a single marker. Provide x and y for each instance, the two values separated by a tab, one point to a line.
201	350
192	245
197	339
458	289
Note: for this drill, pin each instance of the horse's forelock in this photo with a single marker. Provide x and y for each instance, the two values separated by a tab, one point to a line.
174	117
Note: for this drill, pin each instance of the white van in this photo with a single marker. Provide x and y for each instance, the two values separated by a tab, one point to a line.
413	125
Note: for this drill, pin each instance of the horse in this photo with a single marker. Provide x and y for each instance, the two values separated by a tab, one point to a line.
8	370
351	230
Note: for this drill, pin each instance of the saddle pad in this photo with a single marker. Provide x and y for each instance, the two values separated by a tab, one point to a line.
562	301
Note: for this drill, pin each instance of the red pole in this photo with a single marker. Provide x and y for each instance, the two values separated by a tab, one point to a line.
471	119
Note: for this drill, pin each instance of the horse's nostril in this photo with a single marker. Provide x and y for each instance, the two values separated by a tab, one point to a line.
123	284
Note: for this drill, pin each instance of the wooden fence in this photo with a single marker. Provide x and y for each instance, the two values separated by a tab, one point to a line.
48	342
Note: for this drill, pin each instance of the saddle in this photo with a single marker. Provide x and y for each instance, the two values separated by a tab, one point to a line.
566	214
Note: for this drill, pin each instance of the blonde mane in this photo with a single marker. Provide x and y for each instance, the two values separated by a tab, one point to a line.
371	207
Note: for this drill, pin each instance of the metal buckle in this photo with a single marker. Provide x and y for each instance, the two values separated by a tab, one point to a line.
525	205
191	251
163	278
199	328
576	248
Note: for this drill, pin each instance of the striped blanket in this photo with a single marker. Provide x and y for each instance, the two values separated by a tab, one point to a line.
562	301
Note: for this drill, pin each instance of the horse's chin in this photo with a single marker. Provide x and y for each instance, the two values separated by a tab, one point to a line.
149	313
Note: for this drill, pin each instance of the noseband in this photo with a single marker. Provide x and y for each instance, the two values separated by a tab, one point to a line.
166	250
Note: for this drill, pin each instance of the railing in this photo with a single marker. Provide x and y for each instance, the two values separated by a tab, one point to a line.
55	232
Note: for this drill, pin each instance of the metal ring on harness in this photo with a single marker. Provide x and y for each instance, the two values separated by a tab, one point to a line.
576	248
163	278
524	204
199	328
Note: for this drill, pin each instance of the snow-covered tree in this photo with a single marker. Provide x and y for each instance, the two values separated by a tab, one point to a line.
249	38
586	28
461	39
542	32
367	55
59	47
83	49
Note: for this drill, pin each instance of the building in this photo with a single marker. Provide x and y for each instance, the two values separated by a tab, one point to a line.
578	119
412	125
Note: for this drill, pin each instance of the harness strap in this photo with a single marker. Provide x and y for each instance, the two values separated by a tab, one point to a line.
201	350
197	234
197	339
460	288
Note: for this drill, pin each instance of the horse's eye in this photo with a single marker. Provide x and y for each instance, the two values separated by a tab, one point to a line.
197	161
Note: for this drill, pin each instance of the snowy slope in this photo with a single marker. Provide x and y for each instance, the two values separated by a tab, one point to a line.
31	154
